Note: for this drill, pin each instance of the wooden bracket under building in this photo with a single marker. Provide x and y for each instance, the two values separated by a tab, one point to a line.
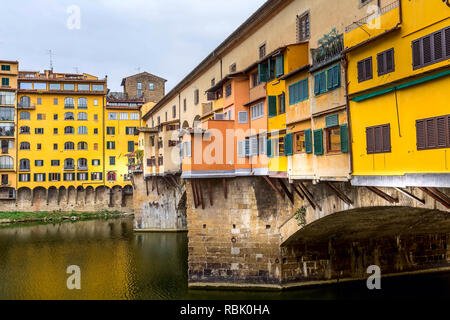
153	183
410	195
309	196
200	194
194	193
383	195
157	188
224	184
437	195
286	190
339	193
294	187
146	186
210	193
273	186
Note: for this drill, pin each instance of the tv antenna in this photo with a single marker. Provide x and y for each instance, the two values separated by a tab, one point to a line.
138	69
50	53
76	70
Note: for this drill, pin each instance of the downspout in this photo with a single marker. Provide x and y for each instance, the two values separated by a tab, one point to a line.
103	137
179	130
349	119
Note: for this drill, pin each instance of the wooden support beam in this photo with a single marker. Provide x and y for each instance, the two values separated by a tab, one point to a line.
146	186
286	190
309	196
383	195
153	183
175	182
210	192
339	193
194	193
157	187
200	194
410	195
273	186
294	187
440	194
435	197
224	184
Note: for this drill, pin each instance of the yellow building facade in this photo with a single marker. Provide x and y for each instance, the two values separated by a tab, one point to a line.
399	101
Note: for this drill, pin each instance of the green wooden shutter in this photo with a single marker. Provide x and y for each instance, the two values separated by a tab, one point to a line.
283	102
323	82
288	144
344	137
262	72
34	176
279	65
331	121
330	77
305	89
337	76
272	106
308	141
291	94
269	148
318	142
317	84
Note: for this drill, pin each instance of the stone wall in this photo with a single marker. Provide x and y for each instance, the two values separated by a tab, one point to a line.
159	204
71	199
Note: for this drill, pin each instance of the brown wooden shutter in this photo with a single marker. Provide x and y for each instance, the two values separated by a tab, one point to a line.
390	66
386	130
420	133
448	131
437	45
441	132
370	140
378	140
381	66
430	126
447	42
361	71
417	57
368	69
426	49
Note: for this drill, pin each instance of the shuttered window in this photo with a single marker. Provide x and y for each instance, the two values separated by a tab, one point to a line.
433	133
303	27
288	144
298	91
242	117
253	146
262	72
431	48
344	137
279	65
272	106
308	141
385	61
262	144
281	103
318	142
327	80
378	139
269	148
365	69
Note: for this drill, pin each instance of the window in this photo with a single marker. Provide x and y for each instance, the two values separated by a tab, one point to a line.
365	69
6	114
184	106
95	162
24	115
82	103
24	146
95	102
257	111
82	130
134	116
130	131
112	115
262	51
242	117
385	61
69	87
4	179
69	130
55	163
82	145
55	130
196	97
41	116
110	130
431	49
69	146
98	87
39	86
333	139
110	145
55	146
213	82
130	146
24	177
272	102
433	133
39	101
69	103
298	91
69	164
174	112
95	117
39	146
233	68
39	130
327	80
228	90
281	104
112	161
39	177
139	89
378	139
111	176
69	116
55	86
82	176
7	98
55	101
83	87
95	130
303	27
69	176
25	102
96	176
82	116
54	177
255	79
6	67
6	162
123	116
262	148
151	86
95	146
24	164
300	142
55	116
5	82
82	164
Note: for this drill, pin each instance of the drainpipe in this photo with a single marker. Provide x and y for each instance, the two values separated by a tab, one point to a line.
347	101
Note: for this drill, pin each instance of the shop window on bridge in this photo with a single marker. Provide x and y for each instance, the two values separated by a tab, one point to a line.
111	176
378	139
302	142
6	162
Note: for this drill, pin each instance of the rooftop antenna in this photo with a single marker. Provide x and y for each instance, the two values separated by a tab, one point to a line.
49	52
76	70
138	69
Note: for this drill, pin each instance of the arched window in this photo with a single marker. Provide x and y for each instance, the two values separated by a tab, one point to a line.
24	115
25	130
6	162
69	103
82	145
69	164
82	130
24	164
69	146
69	116
82	164
24	146
25	102
82	103
69	130
82	116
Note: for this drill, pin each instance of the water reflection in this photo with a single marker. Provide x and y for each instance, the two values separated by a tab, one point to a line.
119	264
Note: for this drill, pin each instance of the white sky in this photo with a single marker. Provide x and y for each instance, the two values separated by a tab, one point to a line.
116	37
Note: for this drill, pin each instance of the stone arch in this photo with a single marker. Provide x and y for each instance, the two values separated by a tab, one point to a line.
62	195
39	198
24	197
127	196
80	196
52	198
102	195
90	195
185	124
71	196
116	196
197	121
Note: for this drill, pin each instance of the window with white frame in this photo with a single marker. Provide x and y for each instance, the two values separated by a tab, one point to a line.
257	111
123	116
112	115
242	117
262	144
134	116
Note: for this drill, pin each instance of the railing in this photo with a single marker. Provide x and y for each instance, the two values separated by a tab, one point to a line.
69	168
207	108
366	19
6	118
8	132
328	52
26	106
24	169
83	168
135	167
69	105
6	166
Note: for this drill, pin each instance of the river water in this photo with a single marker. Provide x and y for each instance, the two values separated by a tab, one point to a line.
116	263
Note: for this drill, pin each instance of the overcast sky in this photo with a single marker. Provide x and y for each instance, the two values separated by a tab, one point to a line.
116	37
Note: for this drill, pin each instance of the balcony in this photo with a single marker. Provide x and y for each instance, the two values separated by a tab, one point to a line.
136	168
7	167
24	169
82	168
330	50
69	106
367	19
26	106
7	131
69	168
